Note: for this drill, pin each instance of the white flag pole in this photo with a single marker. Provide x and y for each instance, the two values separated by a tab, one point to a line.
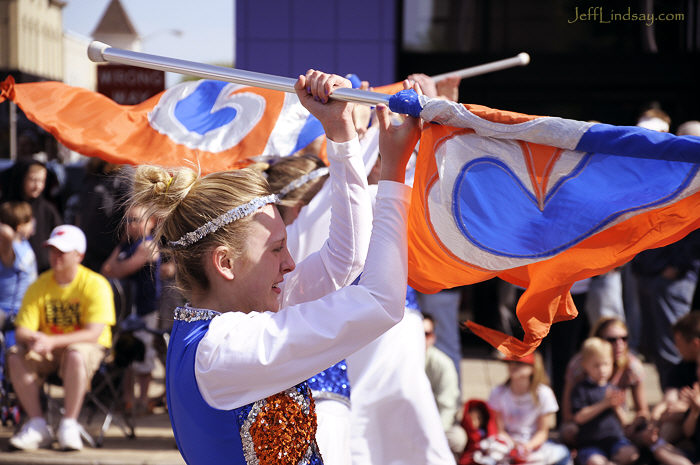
100	52
521	59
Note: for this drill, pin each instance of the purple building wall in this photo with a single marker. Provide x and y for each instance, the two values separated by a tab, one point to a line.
287	37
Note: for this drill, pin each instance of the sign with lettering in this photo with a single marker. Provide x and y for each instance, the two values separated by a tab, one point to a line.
129	85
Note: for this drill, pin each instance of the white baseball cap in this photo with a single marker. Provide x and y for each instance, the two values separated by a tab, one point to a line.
67	238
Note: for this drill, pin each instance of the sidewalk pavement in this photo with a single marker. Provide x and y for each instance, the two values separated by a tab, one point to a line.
154	443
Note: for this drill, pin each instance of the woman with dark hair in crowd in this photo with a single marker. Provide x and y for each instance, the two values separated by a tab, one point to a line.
28	181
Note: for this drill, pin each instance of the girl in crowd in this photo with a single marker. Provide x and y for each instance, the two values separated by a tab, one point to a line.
17	272
525	406
17	260
237	363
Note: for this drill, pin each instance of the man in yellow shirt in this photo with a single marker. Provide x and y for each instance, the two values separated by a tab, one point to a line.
64	327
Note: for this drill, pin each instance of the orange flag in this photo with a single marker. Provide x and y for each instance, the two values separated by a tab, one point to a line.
541	202
211	124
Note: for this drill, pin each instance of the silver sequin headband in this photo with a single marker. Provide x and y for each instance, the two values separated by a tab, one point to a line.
230	216
298	182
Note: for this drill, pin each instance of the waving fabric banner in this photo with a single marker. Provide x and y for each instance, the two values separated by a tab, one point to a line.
212	124
541	202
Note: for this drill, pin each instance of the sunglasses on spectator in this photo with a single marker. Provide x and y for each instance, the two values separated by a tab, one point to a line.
613	340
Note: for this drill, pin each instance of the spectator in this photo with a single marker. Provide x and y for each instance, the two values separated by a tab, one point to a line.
689	128
17	260
525	406
445	386
597	408
670	412
17	272
63	326
654	119
628	373
98	211
136	262
479	423
28	183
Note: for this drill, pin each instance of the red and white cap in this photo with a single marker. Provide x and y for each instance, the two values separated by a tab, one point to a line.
67	238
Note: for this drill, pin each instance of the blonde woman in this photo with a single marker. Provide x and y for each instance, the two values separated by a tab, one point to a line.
257	325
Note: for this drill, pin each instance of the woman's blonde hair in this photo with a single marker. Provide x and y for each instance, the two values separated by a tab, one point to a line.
15	212
539	376
183	201
283	170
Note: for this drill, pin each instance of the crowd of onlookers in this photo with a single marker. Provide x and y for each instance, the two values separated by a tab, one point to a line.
64	266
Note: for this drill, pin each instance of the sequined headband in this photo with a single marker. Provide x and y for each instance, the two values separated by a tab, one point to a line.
297	183
230	216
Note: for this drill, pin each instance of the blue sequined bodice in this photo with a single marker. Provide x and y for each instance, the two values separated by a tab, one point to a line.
332	383
277	430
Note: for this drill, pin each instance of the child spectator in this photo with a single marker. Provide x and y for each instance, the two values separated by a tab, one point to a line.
17	272
136	262
627	375
525	406
17	260
479	422
597	408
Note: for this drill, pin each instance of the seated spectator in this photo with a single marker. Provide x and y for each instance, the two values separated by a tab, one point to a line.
670	413
525	406
136	262
63	327
627	375
597	408
479	423
444	383
17	260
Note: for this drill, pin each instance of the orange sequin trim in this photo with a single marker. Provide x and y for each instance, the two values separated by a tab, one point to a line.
282	433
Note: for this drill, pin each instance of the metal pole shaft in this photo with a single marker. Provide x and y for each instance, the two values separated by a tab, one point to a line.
100	52
521	59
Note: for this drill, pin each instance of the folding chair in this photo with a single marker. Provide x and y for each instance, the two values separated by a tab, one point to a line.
10	412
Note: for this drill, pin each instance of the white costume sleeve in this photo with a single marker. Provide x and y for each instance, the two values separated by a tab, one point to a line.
247	357
342	256
303	240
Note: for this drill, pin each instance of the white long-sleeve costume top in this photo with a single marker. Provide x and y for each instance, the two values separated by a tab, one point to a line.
272	351
347	184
